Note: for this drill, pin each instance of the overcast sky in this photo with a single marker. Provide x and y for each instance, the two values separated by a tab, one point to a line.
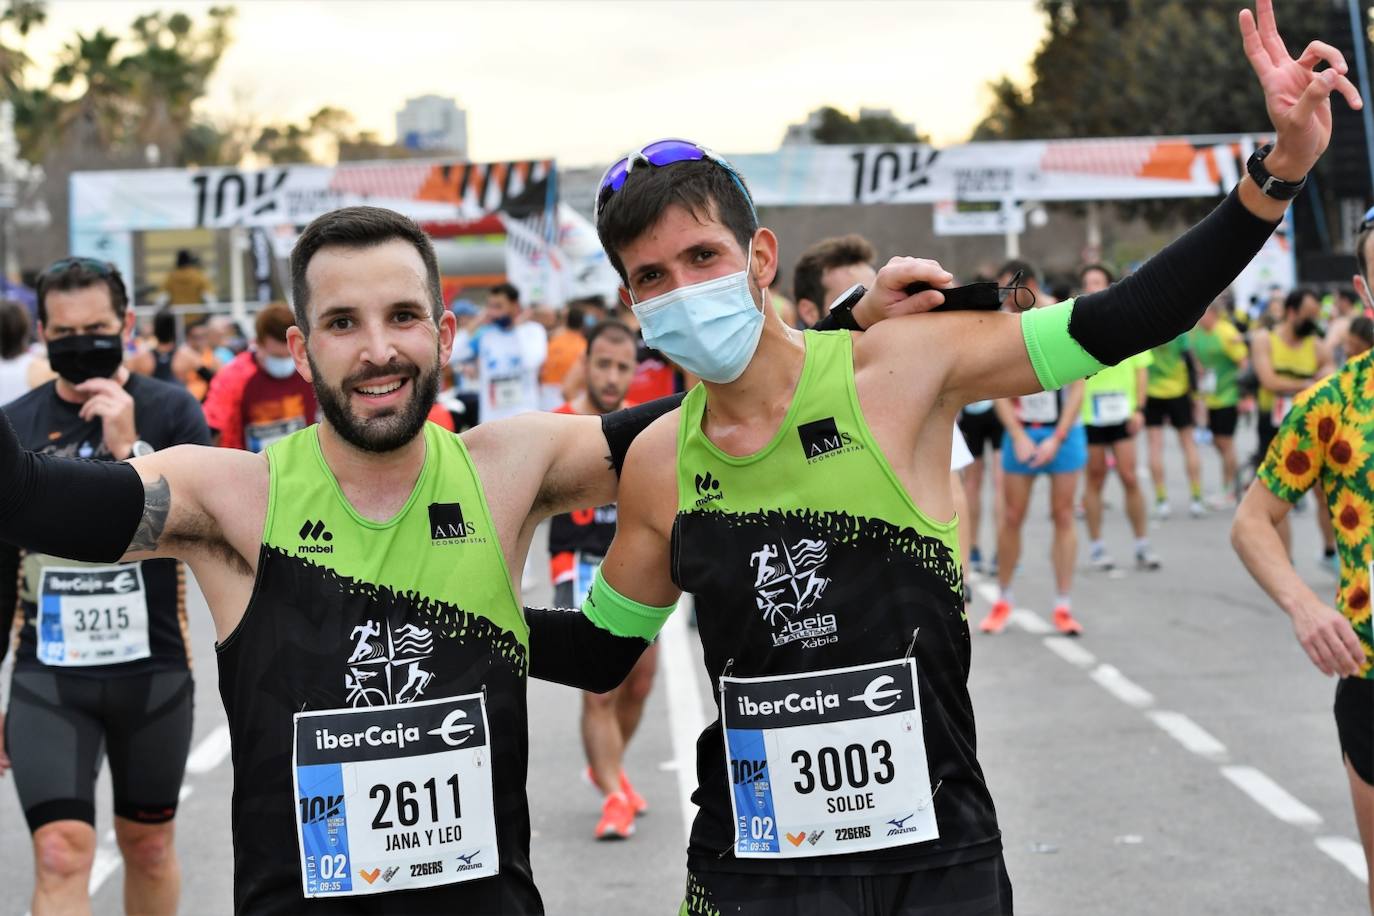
583	81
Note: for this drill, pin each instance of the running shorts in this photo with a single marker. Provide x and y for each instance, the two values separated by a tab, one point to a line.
59	726
1106	435
980	888
1178	411
1222	421
982	431
1072	454
1355	724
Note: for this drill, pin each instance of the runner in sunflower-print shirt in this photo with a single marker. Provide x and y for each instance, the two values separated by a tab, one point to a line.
1327	440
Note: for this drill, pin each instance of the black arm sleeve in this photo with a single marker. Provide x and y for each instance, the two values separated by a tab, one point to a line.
1167	295
621	426
9	594
567	648
73	508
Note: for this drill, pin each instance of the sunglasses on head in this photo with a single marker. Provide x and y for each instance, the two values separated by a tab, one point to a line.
658	154
103	268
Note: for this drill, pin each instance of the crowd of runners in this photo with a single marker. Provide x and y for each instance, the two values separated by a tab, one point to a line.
356	480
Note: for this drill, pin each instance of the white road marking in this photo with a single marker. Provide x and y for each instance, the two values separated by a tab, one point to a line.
1031	622
1188	733
684	706
1347	852
107	862
1070	651
1271	796
987	591
1121	687
210	753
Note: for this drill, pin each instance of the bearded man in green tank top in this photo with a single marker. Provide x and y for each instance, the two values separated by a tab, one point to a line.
800	494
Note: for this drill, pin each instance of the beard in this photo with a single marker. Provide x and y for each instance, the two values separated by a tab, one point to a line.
385	432
603	406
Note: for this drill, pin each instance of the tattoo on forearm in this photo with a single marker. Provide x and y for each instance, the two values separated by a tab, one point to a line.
157	502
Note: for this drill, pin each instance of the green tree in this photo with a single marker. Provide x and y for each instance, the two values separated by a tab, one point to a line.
837	127
20	17
1133	68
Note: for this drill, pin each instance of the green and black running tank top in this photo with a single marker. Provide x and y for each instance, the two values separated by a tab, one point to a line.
348	612
810	555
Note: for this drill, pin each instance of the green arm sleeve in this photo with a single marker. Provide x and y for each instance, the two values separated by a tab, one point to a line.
622	616
1058	358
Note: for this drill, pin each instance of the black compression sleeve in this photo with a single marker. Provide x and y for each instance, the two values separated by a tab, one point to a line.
1167	295
621	427
567	648
9	594
69	507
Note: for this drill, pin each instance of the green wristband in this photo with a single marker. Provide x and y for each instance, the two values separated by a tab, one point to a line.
621	616
1058	358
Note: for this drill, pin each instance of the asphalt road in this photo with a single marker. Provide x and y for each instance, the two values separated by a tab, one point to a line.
1179	757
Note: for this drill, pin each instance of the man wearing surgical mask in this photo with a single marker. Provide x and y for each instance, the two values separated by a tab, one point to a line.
801	495
509	354
108	666
260	397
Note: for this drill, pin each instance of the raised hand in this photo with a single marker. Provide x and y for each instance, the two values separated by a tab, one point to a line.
1296	95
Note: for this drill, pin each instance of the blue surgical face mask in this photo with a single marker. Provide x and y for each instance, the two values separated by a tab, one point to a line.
711	328
278	366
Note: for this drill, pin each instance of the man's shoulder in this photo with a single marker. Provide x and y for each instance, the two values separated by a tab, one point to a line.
30	405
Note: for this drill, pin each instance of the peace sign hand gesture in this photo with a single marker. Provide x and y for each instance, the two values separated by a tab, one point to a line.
1296	96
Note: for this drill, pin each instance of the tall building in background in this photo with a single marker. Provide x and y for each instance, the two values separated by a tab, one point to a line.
433	123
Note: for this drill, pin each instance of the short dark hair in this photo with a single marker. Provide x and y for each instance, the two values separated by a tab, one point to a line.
273	321
165	325
70	274
612	327
1293	301
14	329
1101	268
1363	328
838	251
1348	294
360	227
704	188
1015	266
574	318
508	290
187	258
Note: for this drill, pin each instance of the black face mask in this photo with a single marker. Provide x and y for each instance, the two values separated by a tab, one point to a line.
86	356
1306	329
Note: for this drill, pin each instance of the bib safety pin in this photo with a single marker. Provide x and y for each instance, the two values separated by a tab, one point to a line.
912	648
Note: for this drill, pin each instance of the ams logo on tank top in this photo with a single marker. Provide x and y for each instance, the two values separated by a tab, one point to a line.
821	439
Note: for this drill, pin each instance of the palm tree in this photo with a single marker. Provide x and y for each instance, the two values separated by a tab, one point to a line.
100	115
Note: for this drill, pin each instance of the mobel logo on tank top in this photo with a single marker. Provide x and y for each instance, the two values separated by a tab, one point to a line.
447	525
822	439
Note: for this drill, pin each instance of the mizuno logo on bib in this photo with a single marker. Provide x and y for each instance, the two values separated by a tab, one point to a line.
827	762
394	797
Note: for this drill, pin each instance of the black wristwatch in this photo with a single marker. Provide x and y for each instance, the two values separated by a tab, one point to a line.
842	309
1273	187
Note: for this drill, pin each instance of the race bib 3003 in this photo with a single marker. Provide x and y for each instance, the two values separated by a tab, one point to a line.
394	797
92	615
828	762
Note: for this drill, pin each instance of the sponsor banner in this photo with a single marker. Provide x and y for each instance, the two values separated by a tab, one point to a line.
426	191
1095	169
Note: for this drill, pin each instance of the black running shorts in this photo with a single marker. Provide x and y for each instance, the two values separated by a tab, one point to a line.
1355	724
982	431
1222	421
1106	435
1177	411
60	725
979	888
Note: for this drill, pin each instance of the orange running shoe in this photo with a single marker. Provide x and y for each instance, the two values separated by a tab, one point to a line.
617	818
997	617
1064	622
636	800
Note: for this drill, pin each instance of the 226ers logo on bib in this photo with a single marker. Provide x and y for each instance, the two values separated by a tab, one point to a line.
393	797
827	762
